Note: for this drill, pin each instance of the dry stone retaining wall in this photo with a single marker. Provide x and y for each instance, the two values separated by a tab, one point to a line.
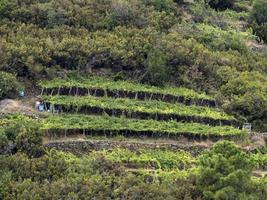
80	147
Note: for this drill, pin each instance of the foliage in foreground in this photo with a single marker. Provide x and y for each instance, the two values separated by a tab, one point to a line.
58	175
225	173
121	173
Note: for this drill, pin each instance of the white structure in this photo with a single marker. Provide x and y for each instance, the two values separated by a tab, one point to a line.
247	127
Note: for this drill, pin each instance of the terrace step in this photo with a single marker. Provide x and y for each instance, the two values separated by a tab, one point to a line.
100	87
138	109
79	91
65	125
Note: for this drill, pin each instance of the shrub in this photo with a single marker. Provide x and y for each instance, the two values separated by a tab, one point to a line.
29	140
259	12
246	97
56	17
261	31
125	12
162	5
3	139
5	178
258	18
225	173
6	6
157	68
9	85
219	39
221	4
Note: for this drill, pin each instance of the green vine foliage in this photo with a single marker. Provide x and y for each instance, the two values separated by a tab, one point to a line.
89	122
114	124
132	105
95	82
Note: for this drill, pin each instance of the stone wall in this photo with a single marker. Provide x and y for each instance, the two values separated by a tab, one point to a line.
79	147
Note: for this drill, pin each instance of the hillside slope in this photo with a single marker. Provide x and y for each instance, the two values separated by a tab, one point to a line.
133	99
157	42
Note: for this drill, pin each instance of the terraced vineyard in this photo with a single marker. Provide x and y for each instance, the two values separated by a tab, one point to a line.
81	116
138	109
98	86
131	115
113	126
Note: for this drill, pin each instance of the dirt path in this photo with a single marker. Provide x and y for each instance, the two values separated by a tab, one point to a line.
9	106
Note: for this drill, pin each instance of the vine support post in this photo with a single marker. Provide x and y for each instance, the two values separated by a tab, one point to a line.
42	91
52	91
151	96
136	95
77	90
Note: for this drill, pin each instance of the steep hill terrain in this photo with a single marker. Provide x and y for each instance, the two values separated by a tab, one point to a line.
133	99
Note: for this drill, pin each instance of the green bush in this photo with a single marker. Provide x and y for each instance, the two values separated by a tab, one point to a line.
29	140
3	139
261	31
9	85
56	17
245	96
258	18
224	173
259	12
157	68
5	178
221	4
162	5
6	6
218	39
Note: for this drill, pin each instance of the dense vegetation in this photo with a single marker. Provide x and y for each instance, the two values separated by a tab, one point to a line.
152	41
225	173
121	174
34	173
148	71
